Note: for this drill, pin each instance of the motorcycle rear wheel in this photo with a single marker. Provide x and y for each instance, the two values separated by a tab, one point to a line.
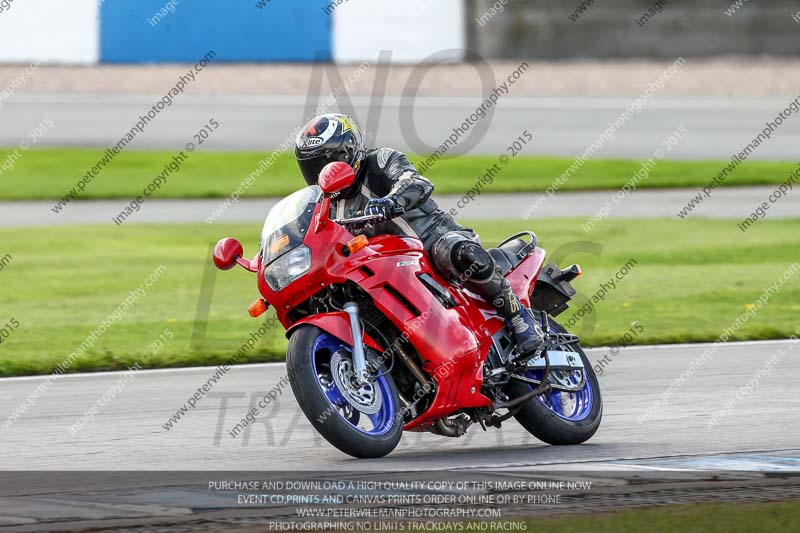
363	423
546	417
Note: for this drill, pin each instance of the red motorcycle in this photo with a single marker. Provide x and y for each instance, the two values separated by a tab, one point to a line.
380	342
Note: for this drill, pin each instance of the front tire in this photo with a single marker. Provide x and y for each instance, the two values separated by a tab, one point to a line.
362	422
560	417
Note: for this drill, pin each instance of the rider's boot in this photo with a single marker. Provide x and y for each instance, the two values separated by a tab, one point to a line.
528	334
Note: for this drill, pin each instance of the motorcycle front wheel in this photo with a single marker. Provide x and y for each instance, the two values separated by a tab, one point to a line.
363	421
560	417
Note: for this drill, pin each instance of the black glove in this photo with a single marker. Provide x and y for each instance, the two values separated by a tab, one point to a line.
383	207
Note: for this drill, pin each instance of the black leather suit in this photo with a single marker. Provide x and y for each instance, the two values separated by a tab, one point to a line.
454	250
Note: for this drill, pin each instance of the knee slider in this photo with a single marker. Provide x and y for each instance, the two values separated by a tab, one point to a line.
470	258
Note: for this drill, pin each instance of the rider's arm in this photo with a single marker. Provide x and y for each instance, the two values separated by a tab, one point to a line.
408	189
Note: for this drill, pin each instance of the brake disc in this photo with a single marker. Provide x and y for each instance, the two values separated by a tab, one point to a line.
367	398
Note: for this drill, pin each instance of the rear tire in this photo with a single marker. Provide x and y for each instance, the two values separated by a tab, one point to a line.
306	353
544	424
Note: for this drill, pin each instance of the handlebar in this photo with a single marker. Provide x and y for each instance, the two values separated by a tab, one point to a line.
361	218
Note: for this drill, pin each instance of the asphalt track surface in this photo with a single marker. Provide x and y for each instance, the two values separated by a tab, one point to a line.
645	454
730	203
759	432
562	126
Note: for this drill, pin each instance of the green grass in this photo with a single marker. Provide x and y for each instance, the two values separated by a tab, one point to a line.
702	518
693	278
51	173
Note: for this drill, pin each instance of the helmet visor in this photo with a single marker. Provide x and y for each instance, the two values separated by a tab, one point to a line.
311	168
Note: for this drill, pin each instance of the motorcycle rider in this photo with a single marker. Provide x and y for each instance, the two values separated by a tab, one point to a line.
386	179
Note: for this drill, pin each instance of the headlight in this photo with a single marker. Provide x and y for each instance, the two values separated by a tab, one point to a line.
288	268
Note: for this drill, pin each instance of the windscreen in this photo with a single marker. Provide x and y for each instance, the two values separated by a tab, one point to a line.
287	223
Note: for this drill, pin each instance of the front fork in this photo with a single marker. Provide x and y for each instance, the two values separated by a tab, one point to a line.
359	359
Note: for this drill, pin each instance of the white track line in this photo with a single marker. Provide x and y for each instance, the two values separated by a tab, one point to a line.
610	462
698	344
660	468
267	365
144	371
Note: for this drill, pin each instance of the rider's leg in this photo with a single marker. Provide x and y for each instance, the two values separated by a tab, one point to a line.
459	255
527	333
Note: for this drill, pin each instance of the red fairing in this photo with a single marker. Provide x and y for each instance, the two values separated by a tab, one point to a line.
337	324
447	340
451	342
523	278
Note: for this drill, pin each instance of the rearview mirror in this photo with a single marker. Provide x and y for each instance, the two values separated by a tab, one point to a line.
336	177
226	253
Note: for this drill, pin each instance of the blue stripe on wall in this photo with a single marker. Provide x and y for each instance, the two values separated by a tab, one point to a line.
284	30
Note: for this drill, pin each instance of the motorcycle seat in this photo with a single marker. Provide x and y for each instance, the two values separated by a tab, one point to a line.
505	257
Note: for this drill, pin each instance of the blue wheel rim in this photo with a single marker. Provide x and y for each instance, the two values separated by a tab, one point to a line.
382	421
571	406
